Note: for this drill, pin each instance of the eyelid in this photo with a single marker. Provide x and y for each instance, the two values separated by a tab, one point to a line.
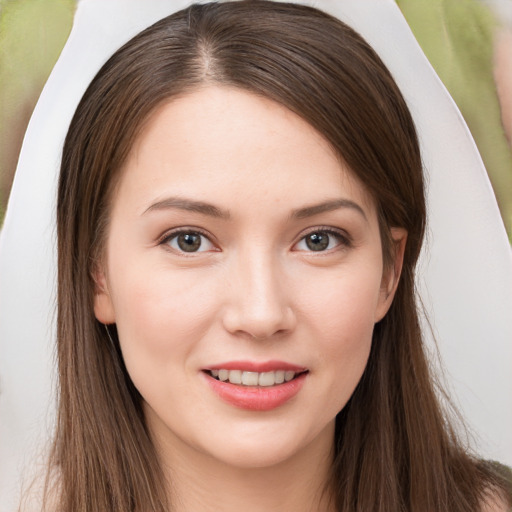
345	240
172	233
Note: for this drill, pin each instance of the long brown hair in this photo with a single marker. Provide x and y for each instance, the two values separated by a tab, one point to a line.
395	450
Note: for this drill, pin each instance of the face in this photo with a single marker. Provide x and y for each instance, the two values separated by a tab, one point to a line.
243	269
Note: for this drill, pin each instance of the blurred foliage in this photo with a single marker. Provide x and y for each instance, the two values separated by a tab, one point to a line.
32	35
457	37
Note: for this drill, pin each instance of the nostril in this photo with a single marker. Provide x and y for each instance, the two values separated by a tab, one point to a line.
259	323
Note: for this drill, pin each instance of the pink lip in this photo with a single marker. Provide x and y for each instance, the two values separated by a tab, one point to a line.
252	366
255	398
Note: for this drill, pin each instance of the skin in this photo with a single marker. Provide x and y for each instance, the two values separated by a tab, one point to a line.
254	291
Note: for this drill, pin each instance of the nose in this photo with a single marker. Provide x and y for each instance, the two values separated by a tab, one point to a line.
259	303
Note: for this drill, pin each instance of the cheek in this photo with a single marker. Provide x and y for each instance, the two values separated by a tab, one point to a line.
342	316
159	314
343	304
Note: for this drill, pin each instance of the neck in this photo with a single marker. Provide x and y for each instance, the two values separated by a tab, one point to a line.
198	482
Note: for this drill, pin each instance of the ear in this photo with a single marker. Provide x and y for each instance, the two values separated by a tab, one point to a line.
103	307
391	273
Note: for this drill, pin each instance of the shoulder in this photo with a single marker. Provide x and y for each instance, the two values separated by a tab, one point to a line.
495	503
497	496
40	496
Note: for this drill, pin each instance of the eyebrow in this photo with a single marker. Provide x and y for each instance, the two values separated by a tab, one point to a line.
190	206
213	211
327	206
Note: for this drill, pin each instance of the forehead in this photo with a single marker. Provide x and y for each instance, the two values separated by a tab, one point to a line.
227	145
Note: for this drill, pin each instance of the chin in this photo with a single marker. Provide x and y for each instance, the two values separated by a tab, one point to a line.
256	456
260	448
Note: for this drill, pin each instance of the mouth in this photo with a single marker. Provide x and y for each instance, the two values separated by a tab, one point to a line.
256	387
254	379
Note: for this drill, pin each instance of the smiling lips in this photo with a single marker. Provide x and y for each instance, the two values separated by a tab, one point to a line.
246	378
256	387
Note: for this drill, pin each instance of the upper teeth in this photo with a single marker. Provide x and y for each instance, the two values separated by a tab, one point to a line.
253	378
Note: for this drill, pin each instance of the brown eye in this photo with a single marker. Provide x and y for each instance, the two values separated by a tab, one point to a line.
189	241
317	241
322	240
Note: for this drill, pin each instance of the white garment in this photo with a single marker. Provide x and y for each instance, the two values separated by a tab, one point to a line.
466	267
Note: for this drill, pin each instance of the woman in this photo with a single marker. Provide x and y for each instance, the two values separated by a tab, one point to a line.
240	213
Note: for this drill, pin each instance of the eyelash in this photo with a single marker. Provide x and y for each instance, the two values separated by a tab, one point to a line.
344	240
165	239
